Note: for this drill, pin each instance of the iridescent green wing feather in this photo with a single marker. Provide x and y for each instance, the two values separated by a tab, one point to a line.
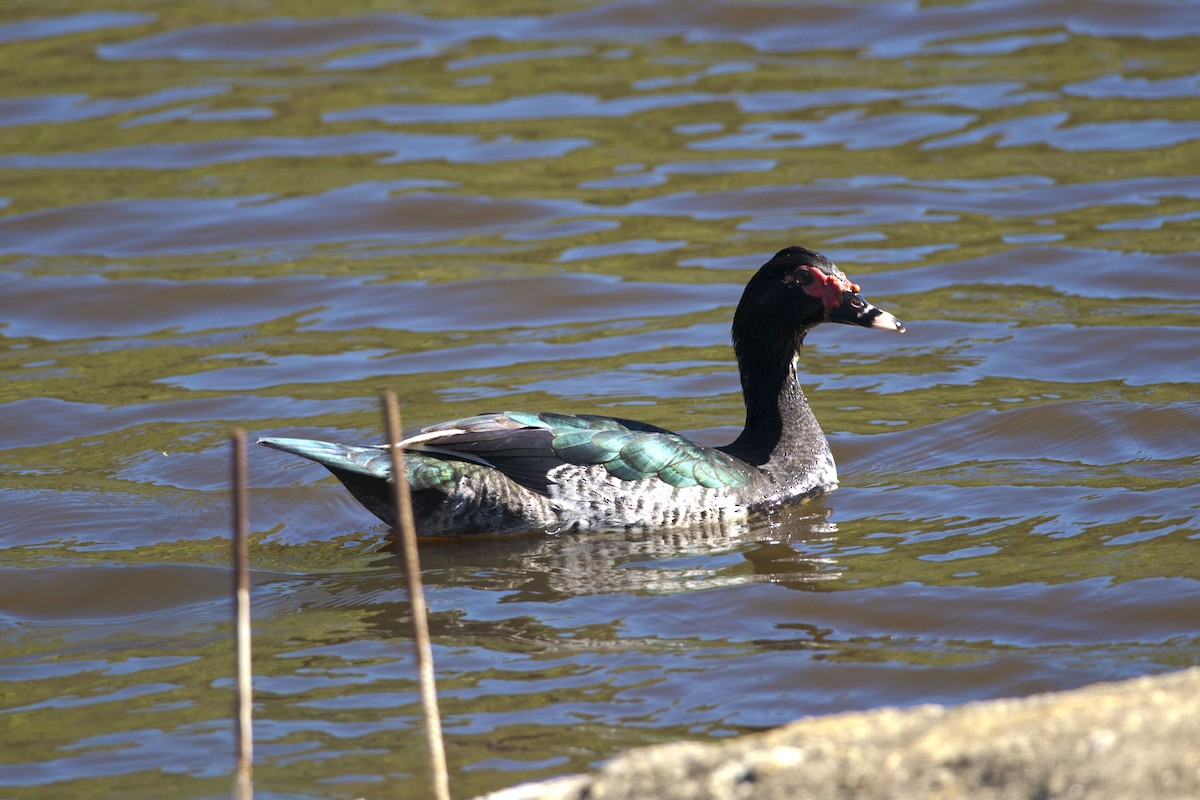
528	447
636	455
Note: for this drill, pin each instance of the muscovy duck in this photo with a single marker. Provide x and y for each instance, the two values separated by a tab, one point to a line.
516	471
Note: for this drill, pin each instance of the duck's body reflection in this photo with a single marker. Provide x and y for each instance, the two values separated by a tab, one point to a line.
783	547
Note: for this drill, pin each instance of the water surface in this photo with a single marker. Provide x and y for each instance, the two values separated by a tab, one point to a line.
262	216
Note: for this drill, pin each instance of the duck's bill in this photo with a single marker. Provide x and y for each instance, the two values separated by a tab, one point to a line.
853	310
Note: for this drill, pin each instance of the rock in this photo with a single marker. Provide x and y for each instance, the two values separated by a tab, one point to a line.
1134	739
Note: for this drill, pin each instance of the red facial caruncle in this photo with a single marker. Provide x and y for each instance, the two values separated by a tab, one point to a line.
829	289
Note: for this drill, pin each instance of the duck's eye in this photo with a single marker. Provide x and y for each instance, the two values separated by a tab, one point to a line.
800	276
856	301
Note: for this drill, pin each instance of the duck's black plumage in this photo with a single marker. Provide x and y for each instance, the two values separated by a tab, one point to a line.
509	471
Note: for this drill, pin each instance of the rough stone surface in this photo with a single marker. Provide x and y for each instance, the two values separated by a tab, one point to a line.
1134	739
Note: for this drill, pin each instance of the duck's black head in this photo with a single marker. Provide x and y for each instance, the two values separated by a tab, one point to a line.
796	290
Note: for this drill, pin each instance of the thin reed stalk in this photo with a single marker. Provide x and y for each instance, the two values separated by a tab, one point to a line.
404	535
244	777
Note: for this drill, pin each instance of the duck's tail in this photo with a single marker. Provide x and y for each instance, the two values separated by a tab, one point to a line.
368	461
366	471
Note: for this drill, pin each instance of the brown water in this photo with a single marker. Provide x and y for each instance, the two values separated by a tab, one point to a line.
262	214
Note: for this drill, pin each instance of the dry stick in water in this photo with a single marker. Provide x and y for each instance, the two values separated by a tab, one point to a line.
404	535
244	780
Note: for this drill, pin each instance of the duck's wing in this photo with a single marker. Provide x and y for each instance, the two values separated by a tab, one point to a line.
528	448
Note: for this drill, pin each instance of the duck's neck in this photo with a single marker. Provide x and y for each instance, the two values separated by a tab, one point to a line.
781	435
